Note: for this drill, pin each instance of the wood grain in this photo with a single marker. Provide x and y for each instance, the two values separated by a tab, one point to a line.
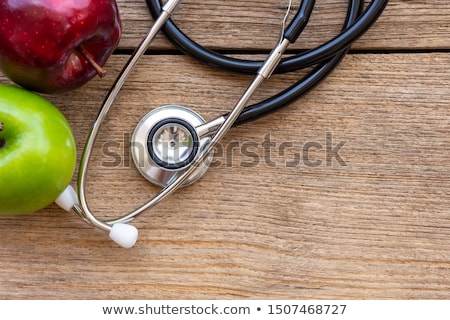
289	219
250	25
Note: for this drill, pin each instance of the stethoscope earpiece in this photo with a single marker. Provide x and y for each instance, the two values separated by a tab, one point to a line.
68	199
125	235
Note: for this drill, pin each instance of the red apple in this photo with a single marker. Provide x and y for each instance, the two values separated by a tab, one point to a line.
56	45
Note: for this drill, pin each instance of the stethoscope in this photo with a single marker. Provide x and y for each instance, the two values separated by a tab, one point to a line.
178	142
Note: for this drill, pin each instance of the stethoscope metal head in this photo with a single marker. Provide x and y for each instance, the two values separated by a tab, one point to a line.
165	141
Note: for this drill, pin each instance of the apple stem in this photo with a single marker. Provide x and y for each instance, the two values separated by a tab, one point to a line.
100	71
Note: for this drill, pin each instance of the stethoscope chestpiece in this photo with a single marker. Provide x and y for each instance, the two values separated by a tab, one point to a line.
165	141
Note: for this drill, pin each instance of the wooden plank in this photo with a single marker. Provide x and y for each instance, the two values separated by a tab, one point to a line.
264	222
255	25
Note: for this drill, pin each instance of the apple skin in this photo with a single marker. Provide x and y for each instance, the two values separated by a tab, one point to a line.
37	152
39	41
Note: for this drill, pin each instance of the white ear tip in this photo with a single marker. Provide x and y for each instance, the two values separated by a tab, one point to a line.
67	199
124	235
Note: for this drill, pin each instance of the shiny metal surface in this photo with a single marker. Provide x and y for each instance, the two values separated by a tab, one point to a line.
164	139
210	127
173	144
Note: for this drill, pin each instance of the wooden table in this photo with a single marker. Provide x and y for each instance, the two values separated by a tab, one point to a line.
342	194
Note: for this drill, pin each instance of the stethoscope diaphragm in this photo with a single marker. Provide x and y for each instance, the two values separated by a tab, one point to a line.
165	141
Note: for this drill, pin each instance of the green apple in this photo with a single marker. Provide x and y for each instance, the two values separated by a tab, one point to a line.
37	151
